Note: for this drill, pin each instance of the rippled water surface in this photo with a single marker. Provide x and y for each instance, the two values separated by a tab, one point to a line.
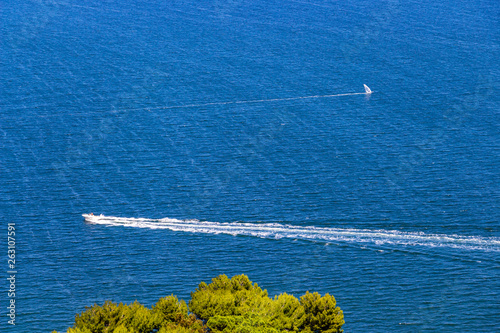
229	137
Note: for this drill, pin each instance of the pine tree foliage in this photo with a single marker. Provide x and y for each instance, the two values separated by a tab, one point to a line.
225	305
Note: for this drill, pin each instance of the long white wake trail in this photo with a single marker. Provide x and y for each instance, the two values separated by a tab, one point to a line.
367	92
334	235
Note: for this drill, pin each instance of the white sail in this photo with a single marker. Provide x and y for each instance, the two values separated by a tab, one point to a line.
367	89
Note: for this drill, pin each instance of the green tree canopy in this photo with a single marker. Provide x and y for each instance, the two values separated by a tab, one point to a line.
225	305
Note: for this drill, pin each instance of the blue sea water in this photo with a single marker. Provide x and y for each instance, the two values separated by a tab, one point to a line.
389	202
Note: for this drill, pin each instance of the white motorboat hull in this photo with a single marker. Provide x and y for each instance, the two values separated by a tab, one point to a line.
92	218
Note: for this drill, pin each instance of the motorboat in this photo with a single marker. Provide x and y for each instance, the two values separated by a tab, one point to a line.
91	217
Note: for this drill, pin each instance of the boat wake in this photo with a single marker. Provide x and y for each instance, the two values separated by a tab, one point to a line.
310	233
367	92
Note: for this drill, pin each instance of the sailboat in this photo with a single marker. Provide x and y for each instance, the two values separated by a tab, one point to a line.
367	89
